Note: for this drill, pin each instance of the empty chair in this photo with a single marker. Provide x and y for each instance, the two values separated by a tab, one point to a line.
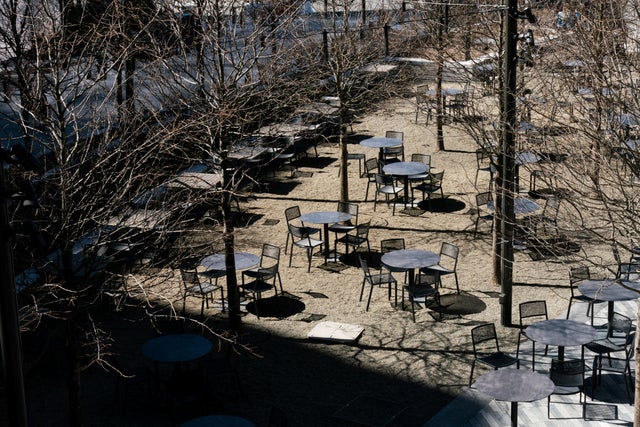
301	238
484	164
393	153
568	378
483	213
423	288
345	227
486	349
291	214
618	338
448	263
194	288
420	178
355	238
530	312
548	217
431	185
426	102
625	270
615	365
376	279
371	169
389	245
269	268
577	275
385	184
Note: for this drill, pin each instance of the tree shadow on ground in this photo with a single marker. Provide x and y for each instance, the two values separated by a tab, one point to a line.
281	306
314	162
442	205
458	305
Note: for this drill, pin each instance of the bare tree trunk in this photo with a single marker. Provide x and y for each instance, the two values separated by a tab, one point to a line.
636	399
439	71
344	176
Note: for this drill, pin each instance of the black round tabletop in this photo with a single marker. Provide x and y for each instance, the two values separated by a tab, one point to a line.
175	348
328	217
405	168
218	421
561	332
515	385
381	142
610	290
409	259
243	260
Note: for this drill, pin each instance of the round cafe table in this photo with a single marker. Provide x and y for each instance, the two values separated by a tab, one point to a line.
560	333
409	260
381	142
176	348
243	260
405	170
611	291
515	385
218	421
325	218
521	206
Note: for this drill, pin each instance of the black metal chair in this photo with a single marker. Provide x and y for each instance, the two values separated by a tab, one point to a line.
292	214
568	378
301	238
423	289
448	263
615	365
385	184
619	337
577	275
431	186
530	312
345	227
375	279
194	288
356	238
482	210
371	169
486	349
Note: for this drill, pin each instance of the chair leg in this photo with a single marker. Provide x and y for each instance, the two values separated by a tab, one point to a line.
473	365
309	256
362	289
222	298
369	299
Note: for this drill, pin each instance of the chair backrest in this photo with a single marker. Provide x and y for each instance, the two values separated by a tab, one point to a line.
189	277
484	339
483	199
449	251
567	373
365	267
551	207
270	255
292	213
621	327
483	158
388	245
421	158
350	208
300	232
371	165
393	151
395	134
532	311
576	275
362	230
382	180
436	179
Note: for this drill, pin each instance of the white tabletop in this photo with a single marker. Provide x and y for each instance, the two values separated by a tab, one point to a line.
243	260
325	217
381	142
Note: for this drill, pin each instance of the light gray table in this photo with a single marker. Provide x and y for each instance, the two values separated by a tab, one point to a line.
325	218
405	170
560	333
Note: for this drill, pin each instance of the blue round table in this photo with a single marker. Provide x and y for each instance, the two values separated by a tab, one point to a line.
218	421
405	170
325	218
176	348
381	142
243	260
